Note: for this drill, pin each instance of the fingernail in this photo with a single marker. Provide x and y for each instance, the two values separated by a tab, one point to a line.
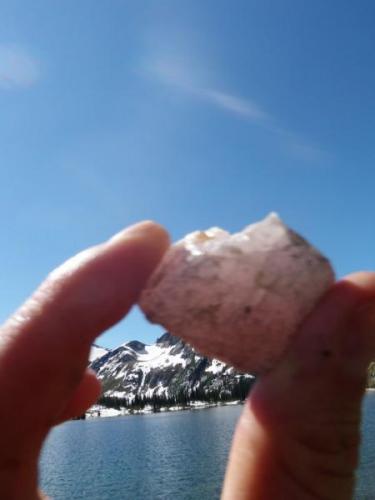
148	229
154	236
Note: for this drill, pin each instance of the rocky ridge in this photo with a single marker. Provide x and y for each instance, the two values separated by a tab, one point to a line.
169	371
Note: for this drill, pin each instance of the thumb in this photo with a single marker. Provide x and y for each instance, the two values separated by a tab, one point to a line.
299	434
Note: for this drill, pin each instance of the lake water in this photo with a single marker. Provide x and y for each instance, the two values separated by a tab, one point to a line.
366	472
176	455
179	456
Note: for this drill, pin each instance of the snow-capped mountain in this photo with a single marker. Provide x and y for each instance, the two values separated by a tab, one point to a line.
165	369
97	352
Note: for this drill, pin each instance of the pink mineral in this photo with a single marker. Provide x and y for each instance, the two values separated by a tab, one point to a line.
240	297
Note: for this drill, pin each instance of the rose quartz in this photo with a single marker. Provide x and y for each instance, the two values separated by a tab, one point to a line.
240	297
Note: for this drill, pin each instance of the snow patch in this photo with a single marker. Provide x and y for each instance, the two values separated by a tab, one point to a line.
97	352
216	367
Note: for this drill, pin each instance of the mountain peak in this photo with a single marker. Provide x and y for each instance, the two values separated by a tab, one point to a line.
168	369
167	340
136	345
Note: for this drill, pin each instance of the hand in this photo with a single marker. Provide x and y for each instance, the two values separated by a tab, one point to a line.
44	347
298	437
299	434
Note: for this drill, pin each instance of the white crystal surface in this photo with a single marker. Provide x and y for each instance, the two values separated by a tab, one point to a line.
238	297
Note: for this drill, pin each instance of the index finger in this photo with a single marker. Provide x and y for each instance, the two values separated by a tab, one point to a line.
52	332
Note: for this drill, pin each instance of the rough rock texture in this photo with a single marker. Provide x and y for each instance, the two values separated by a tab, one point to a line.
238	297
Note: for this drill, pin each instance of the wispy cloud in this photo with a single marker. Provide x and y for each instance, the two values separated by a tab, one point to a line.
172	73
234	104
187	78
18	69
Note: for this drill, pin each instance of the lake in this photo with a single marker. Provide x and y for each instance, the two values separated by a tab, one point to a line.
179	456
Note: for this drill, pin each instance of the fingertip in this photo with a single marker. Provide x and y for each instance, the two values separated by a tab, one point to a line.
148	231
148	240
346	295
364	281
143	245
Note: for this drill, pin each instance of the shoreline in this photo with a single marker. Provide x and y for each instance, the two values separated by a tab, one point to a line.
98	411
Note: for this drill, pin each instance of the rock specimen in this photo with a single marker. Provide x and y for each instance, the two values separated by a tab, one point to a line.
240	297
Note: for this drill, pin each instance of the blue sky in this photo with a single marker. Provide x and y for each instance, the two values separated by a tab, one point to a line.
190	113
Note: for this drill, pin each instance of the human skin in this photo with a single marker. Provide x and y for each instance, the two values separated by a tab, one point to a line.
299	433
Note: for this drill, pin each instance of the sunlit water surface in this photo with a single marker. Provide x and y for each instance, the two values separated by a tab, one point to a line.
179	456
